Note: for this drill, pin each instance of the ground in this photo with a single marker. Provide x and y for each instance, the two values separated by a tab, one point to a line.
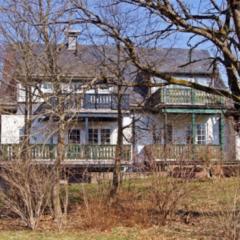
205	212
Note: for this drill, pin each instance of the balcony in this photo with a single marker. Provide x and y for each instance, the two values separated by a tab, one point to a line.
72	152
76	101
105	101
185	96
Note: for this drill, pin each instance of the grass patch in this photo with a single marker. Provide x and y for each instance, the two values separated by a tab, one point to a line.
133	215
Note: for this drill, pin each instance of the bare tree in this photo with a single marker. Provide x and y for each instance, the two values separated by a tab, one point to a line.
213	23
26	191
34	50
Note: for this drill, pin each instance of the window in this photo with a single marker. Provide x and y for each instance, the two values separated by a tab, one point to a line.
21	134
93	136
169	135
74	136
201	134
105	136
99	136
156	133
75	85
46	87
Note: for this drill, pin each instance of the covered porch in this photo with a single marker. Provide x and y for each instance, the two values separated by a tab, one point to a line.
178	134
89	138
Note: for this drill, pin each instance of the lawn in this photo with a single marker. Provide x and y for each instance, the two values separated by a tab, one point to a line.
204	213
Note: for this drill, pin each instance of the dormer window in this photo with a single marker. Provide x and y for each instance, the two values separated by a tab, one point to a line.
47	87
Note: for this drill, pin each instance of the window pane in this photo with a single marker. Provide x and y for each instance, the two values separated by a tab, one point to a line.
74	136
201	134
169	133
189	135
105	136
93	136
156	134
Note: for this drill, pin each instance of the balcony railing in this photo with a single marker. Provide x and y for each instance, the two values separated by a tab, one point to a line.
187	96
183	152
72	152
93	101
105	101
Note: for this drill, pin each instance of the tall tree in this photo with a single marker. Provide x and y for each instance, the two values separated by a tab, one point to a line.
204	23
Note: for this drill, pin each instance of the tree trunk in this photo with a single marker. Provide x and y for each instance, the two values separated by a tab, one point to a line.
58	214
119	149
25	153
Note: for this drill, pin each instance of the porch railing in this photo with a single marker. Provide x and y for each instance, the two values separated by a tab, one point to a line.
183	152
189	97
72	152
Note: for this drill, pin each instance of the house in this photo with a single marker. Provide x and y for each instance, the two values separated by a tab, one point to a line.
181	123
170	123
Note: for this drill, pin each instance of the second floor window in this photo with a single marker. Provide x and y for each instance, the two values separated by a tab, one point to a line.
74	136
47	87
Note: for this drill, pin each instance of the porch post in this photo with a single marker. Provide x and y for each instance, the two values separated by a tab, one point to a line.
221	126
133	155
86	130
193	135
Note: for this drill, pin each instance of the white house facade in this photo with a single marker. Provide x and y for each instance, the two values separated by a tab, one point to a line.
170	123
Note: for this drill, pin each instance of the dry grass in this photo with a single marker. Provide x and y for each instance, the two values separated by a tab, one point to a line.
133	215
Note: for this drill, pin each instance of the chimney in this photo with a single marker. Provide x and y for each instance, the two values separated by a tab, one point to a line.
72	36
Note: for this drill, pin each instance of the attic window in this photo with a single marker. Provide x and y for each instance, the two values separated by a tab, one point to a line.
46	86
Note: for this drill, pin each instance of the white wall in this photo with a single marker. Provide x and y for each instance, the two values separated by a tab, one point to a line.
11	126
237	147
45	132
66	87
149	123
206	81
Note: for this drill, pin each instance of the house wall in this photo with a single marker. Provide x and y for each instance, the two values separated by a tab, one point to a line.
44	132
206	81
48	89
11	128
237	146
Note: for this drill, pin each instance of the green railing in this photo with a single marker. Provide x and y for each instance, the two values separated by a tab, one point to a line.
72	152
182	152
189	96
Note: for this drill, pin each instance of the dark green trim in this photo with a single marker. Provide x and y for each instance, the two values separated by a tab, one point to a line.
222	126
187	110
193	134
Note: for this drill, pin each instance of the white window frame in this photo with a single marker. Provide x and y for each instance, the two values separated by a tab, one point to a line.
94	130
47	87
201	133
99	135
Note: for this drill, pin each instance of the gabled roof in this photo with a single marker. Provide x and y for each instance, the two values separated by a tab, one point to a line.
90	61
178	60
